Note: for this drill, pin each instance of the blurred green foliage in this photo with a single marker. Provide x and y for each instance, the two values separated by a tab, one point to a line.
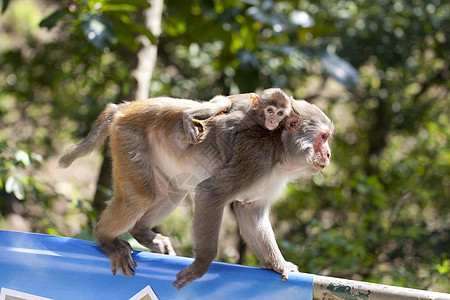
380	212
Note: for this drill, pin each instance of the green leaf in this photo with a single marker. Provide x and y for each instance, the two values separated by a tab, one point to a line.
53	18
23	157
3	146
98	31
342	71
119	7
19	191
13	185
444	268
9	184
145	31
4	5
52	231
136	3
302	19
37	157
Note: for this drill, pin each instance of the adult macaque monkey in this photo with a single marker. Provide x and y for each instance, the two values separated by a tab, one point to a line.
267	110
149	147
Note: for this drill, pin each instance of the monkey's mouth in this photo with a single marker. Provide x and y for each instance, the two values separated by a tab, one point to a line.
271	126
318	166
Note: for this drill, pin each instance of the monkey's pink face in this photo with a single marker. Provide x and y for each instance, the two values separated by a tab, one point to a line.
273	116
322	151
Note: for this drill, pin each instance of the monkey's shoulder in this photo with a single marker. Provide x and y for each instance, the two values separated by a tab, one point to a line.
258	132
255	152
261	140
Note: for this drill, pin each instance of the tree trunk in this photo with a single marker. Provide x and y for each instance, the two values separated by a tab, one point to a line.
148	53
144	65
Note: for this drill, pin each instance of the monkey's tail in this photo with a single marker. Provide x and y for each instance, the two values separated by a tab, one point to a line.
95	138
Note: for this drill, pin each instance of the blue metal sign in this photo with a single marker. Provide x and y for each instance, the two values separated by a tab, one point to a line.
38	266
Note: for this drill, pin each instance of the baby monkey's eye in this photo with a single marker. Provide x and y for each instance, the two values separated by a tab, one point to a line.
270	110
280	113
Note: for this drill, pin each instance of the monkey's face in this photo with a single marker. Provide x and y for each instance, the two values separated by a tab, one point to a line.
322	151
273	116
310	129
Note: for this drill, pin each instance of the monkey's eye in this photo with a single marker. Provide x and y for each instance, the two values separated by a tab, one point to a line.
270	110
324	137
280	113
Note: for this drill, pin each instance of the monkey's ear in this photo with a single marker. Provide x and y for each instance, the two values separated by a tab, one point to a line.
292	122
195	131
254	101
199	125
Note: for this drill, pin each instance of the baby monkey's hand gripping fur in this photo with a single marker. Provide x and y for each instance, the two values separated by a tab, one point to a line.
268	110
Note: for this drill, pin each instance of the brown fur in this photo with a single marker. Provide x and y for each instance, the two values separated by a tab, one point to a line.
245	111
150	149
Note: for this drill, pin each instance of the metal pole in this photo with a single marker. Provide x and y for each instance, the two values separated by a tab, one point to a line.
329	288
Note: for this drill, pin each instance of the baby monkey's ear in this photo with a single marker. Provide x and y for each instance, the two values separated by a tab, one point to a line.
254	101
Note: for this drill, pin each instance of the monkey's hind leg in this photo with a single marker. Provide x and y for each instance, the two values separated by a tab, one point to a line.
116	219
154	241
167	197
145	236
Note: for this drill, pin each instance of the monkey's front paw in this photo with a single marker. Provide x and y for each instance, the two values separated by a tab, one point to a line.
284	268
287	268
194	271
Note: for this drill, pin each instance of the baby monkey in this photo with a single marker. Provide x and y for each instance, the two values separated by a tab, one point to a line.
267	110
